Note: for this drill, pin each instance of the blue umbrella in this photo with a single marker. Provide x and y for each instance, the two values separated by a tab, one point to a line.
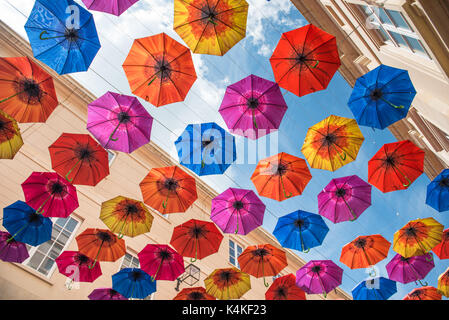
62	34
374	289
381	97
206	148
438	192
133	283
25	224
300	230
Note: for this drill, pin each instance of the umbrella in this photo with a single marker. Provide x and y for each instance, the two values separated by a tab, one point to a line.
196	293
332	143
105	294
305	60
161	262
381	97
206	148
159	69
406	270
253	107
133	283
62	35
119	122
196	239
27	92
443	283
442	248
344	199
210	27
285	288
168	189
319	276
374	289
281	176
75	265
12	251
424	293
227	283
126	216
300	230
438	192
79	158
237	211
50	194
395	166
10	137
115	7
26	225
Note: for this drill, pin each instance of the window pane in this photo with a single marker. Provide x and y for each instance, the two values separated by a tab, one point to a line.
239	250
415	44
383	34
36	260
398	19
61	221
55	232
384	17
46	266
71	225
232	260
43	248
231	252
399	40
56	250
231	243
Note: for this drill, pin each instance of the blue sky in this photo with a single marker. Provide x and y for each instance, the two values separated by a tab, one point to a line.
266	22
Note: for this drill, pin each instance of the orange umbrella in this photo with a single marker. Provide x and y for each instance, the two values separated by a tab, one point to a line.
424	293
10	138
196	293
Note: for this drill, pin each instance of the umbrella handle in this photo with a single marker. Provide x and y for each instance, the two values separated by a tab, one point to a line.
95	260
70	171
283	189
112	134
409	181
42	205
153	278
254	119
393	105
6	99
263	274
339	154
196	251
154	78
202	164
48	38
429	259
302	242
15	234
211	21
69	286
350	209
316	64
423	284
237	228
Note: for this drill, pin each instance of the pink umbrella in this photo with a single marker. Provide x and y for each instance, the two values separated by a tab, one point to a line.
161	262
405	270
115	7
75	265
105	294
319	276
50	194
12	250
119	122
237	211
253	107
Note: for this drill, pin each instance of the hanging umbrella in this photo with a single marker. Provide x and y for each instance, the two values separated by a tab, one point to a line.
159	69
332	143
381	97
374	289
395	166
105	294
206	148
196	293
305	60
438	192
281	176
253	107
119	122
344	199
319	276
62	35
300	230
237	211
27	92
227	283
50	194
161	262
442	248
406	270
79	158
443	283
210	27
133	283
12	251
115	7
285	288
168	190
75	265
10	137
424	293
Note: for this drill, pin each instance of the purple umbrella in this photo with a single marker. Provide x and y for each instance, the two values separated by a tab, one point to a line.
344	199
115	7
12	251
119	122
105	294
319	276
253	107
237	210
406	270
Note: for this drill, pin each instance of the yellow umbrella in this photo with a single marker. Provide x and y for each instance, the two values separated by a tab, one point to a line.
443	283
10	138
227	283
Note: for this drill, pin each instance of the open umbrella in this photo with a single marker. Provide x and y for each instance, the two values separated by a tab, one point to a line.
442	248
285	288
12	251
196	293
115	7
319	276
133	283
374	289
105	294
406	270
443	283
161	262
424	293
75	265
10	137
62	35
227	283
438	192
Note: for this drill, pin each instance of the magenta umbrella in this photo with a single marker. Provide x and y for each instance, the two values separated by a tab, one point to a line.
50	194
119	122
75	265
12	251
405	270
344	199
105	294
319	276
161	262
115	7
237	211
253	107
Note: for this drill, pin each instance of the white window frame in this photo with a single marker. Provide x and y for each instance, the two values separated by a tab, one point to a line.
236	245
114	156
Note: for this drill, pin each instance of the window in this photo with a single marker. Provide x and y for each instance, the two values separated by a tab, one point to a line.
277	276
234	251
131	261
111	156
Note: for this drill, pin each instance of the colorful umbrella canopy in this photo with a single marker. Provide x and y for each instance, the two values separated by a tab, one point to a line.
210	27
62	35
406	270
159	69
438	192
115	7
105	294
10	137
443	283
382	97
227	283
344	199
168	189
424	293
285	288
253	107
75	265
319	276
300	230
374	289
281	176
237	211
365	251
332	143
395	166
79	158
133	283
196	293
12	251
206	148
50	194
305	60
442	248
119	122
27	92
161	262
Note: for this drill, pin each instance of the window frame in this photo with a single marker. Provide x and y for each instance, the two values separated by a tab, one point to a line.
235	248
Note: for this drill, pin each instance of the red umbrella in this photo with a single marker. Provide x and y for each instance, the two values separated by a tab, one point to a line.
285	288
75	265
442	249
161	262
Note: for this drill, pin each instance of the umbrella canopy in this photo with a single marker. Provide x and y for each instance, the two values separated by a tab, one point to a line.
206	148
159	69
119	122
365	251
168	189
115	7
281	176
406	270
75	265
438	192
332	143
50	194
161	262
237	211
374	289
10	137
424	293
443	283
305	60
227	283
12	251
300	230
319	276
210	26
196	293
253	107
79	158
105	294
62	35
285	288
27	92
442	248
382	97
133	283
344	199
395	166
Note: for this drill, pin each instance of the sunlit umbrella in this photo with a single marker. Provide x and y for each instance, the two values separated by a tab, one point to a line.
196	293
319	276
12	250
75	265
105	294
285	288
424	293
406	270
443	283
161	262
374	289
133	283
115	7
227	283
442	248
438	192
10	137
